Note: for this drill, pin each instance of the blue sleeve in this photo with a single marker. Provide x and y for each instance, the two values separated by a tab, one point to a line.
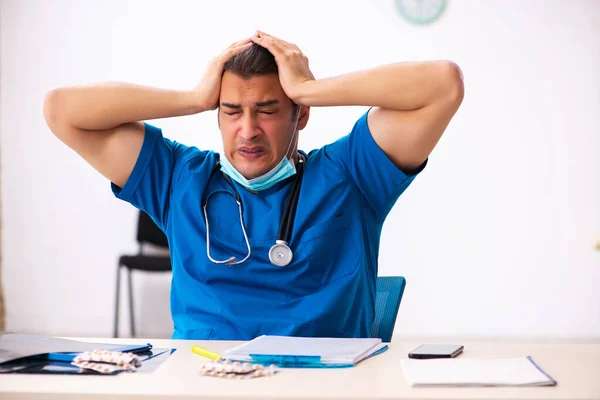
378	179
149	185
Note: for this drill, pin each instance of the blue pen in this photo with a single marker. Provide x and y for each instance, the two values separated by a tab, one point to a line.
284	360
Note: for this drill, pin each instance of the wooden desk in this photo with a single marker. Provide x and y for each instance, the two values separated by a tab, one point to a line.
576	367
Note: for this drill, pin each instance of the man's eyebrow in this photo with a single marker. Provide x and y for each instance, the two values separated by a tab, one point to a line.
257	104
266	103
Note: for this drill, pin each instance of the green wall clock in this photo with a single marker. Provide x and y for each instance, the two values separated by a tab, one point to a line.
420	11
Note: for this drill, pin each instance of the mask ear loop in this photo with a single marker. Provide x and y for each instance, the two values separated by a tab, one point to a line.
287	152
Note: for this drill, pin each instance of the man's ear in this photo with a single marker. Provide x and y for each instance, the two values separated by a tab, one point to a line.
303	118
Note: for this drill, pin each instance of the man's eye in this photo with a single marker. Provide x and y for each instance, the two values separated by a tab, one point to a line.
268	112
232	113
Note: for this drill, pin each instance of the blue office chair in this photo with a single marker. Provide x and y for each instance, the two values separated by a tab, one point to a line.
387	302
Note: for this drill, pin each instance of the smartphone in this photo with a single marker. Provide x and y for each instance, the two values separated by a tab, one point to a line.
436	351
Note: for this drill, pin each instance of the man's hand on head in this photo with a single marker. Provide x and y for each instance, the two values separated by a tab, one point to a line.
208	90
294	72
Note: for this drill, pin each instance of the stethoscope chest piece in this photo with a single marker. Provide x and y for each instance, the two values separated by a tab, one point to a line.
280	254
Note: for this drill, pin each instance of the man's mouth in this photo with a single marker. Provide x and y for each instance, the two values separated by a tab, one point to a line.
251	152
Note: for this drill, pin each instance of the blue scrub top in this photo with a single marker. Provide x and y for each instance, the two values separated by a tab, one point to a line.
328	289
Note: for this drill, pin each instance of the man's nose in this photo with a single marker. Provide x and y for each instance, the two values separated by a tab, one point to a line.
249	128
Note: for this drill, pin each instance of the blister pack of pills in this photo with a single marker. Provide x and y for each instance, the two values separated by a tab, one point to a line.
107	362
236	370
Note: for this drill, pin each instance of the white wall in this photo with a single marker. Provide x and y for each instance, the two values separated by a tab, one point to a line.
495	238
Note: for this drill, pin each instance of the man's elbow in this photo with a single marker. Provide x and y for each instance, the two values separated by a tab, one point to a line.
51	100
454	87
54	110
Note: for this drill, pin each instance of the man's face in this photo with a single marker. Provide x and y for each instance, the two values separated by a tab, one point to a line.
257	123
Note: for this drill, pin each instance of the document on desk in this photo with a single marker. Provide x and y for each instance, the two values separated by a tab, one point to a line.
23	353
14	346
521	371
306	352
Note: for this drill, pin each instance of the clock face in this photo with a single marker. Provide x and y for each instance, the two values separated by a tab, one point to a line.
420	11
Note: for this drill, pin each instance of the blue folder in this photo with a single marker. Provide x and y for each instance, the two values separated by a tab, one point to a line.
69	357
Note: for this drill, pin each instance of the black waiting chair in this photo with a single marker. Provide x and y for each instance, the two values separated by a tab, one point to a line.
147	233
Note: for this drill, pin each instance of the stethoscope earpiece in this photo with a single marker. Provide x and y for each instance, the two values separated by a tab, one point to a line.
230	260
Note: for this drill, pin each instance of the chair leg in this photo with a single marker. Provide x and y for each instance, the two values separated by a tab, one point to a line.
118	294
132	319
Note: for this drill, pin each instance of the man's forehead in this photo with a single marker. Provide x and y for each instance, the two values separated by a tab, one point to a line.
251	90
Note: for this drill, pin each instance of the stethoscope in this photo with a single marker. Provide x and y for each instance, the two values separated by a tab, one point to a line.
280	253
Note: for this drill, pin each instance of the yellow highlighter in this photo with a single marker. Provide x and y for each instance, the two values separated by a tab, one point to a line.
205	353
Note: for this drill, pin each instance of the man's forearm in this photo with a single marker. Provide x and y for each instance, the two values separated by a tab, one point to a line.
400	86
108	105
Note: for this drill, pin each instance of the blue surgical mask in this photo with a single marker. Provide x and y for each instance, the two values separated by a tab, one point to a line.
283	170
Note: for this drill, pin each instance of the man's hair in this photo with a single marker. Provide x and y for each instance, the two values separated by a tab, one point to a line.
255	60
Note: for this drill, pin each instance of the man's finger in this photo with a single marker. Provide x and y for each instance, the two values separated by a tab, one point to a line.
268	43
280	43
237	49
241	42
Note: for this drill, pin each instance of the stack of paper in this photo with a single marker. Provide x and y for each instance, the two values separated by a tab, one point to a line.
476	372
305	352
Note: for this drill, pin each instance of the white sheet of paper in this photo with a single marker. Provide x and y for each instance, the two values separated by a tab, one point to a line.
475	372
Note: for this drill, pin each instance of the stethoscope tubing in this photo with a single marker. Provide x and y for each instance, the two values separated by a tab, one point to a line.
280	253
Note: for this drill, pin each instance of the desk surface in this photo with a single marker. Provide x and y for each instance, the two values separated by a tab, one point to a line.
576	368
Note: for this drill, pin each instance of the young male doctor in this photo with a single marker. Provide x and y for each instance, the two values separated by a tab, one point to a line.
264	238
